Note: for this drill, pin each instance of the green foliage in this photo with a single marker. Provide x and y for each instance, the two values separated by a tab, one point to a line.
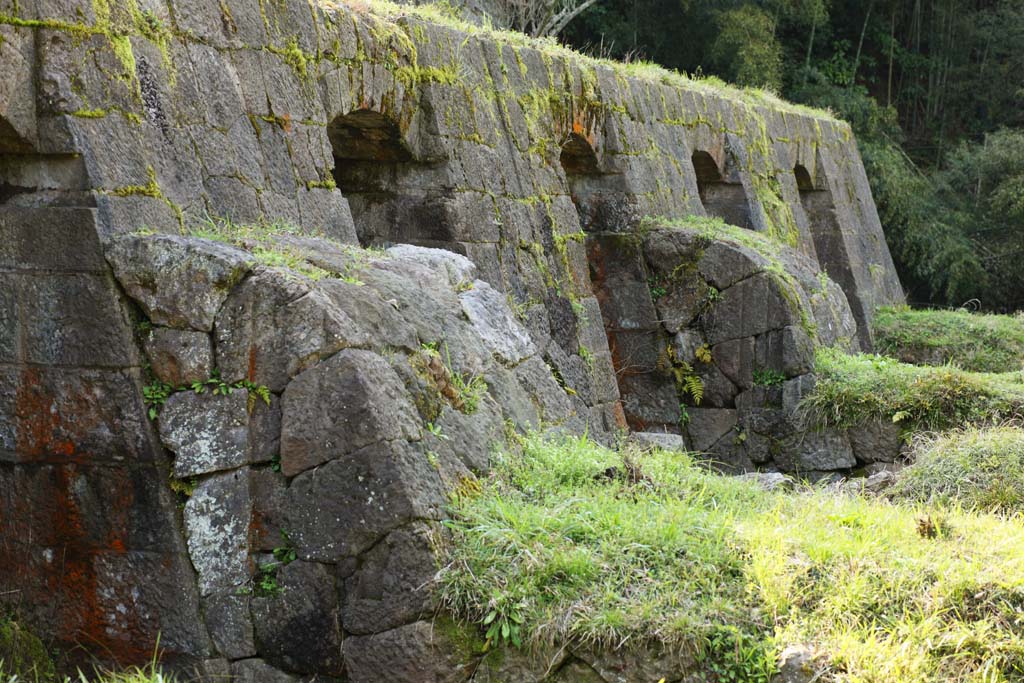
745	48
154	395
577	544
469	389
263	240
768	377
856	389
972	341
979	469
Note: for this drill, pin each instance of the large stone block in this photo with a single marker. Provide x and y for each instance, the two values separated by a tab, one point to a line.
416	653
73	319
815	451
217	519
274	326
393	582
179	357
179	281
210	432
490	316
59	414
344	507
350	401
298	627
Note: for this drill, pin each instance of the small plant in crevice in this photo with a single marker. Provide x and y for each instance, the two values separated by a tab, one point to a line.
264	583
657	288
461	390
768	377
183	488
275	462
587	356
434	460
703	353
154	395
435	429
285	554
688	382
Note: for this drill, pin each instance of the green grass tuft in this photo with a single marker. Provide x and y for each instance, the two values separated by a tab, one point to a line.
977	468
571	542
972	341
856	389
258	239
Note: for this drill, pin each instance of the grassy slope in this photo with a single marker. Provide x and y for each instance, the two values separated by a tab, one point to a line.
980	343
976	468
556	550
855	389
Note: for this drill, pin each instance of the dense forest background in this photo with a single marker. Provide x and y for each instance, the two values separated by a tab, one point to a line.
934	90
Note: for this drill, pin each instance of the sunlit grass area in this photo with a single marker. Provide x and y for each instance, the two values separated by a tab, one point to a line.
855	389
977	468
573	542
972	341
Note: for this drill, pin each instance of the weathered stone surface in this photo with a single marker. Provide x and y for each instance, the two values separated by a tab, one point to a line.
500	332
879	441
818	450
625	665
797	665
535	377
345	506
510	665
667	442
708	425
179	356
230	624
179	281
210	432
258	671
351	400
273	326
416	653
217	518
379	318
749	308
56	413
393	582
460	270
298	628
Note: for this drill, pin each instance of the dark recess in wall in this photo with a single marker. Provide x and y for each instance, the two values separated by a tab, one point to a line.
720	192
393	196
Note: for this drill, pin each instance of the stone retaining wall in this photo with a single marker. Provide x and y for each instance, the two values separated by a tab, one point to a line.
124	126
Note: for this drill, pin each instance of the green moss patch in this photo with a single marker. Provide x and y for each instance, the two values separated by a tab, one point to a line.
572	542
22	655
855	389
977	468
972	341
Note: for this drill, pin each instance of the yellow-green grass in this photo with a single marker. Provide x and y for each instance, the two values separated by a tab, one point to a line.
857	389
556	548
979	469
972	341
